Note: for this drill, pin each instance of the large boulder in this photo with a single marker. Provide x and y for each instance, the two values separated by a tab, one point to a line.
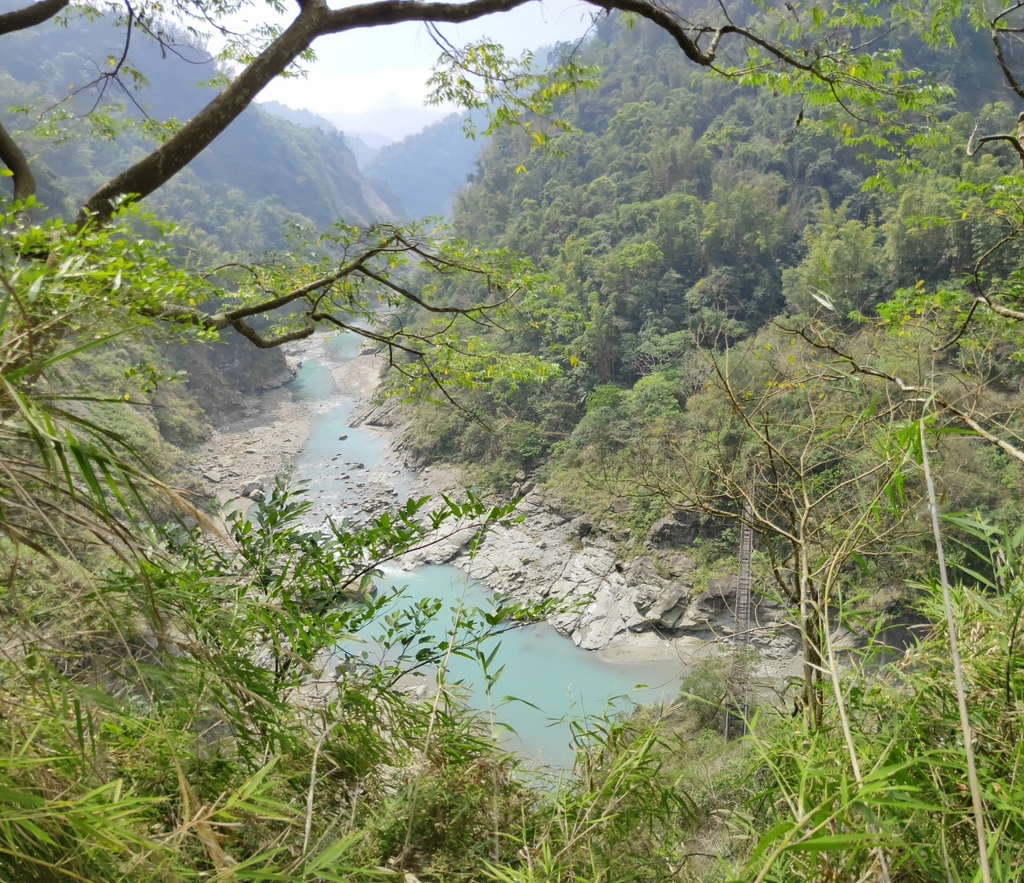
658	608
602	620
657	602
677	530
252	487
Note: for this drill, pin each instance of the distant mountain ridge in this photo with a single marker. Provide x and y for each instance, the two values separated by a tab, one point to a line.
300	116
424	169
427	169
364	147
262	171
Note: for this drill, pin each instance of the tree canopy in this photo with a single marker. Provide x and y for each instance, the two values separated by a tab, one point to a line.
835	57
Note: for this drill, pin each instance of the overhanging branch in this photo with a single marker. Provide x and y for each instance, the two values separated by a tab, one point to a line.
315	19
266	343
30	16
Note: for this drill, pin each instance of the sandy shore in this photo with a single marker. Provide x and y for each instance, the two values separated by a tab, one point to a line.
647	647
254	449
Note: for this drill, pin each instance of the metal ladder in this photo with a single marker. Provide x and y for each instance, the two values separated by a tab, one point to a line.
741	632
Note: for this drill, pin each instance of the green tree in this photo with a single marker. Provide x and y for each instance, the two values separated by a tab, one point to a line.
841	269
802	453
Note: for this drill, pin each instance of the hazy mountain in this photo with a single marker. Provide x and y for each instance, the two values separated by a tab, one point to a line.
301	116
364	148
427	168
382	125
260	172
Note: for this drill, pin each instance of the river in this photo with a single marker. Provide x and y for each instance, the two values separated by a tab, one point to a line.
546	680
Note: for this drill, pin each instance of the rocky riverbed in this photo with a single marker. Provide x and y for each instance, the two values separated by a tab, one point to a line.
265	432
650	608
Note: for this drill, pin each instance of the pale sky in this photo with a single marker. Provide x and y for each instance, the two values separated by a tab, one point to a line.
388	66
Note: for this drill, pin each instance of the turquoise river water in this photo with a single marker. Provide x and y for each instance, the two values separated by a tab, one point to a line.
555	680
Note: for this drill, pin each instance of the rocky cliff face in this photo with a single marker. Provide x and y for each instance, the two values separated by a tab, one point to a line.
226	377
607	601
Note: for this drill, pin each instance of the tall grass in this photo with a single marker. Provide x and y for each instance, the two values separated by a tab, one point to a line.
912	801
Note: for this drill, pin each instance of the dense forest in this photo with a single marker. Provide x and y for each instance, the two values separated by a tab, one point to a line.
732	279
734	265
682	210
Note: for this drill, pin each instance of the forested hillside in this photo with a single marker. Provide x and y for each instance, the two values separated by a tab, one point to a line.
427	168
363	152
684	217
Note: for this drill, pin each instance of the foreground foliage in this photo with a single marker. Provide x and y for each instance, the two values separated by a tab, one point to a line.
165	718
177	721
233	707
911	808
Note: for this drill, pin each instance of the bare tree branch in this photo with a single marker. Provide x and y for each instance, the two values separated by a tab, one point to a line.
972	147
1004	66
320	302
920	393
998	309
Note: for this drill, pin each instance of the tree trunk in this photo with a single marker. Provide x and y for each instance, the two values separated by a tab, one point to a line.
810	638
12	156
30	16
